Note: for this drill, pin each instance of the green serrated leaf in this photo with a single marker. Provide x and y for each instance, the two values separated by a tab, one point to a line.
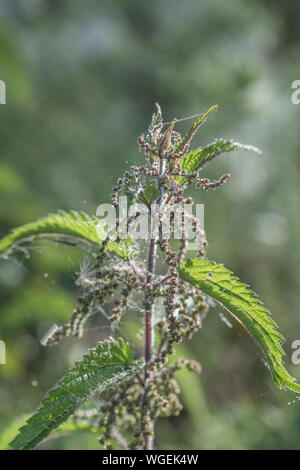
150	194
187	139
219	283
105	366
8	433
74	424
70	226
196	159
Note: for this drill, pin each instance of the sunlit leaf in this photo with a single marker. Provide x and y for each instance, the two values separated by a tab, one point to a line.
196	159
70	227
187	139
216	281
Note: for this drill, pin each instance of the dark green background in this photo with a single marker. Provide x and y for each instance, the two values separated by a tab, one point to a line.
82	79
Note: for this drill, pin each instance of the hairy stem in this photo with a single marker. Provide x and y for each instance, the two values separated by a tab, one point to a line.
120	439
149	329
149	313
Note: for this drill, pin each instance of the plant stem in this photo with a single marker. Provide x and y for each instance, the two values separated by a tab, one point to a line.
120	439
149	313
149	328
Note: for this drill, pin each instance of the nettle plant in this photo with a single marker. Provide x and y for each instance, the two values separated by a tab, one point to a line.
174	292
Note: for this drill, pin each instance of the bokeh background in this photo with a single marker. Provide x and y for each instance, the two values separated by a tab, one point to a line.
82	79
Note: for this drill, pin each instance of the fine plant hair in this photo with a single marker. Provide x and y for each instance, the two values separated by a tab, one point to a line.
134	390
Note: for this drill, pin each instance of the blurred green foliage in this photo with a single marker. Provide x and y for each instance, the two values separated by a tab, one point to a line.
82	79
